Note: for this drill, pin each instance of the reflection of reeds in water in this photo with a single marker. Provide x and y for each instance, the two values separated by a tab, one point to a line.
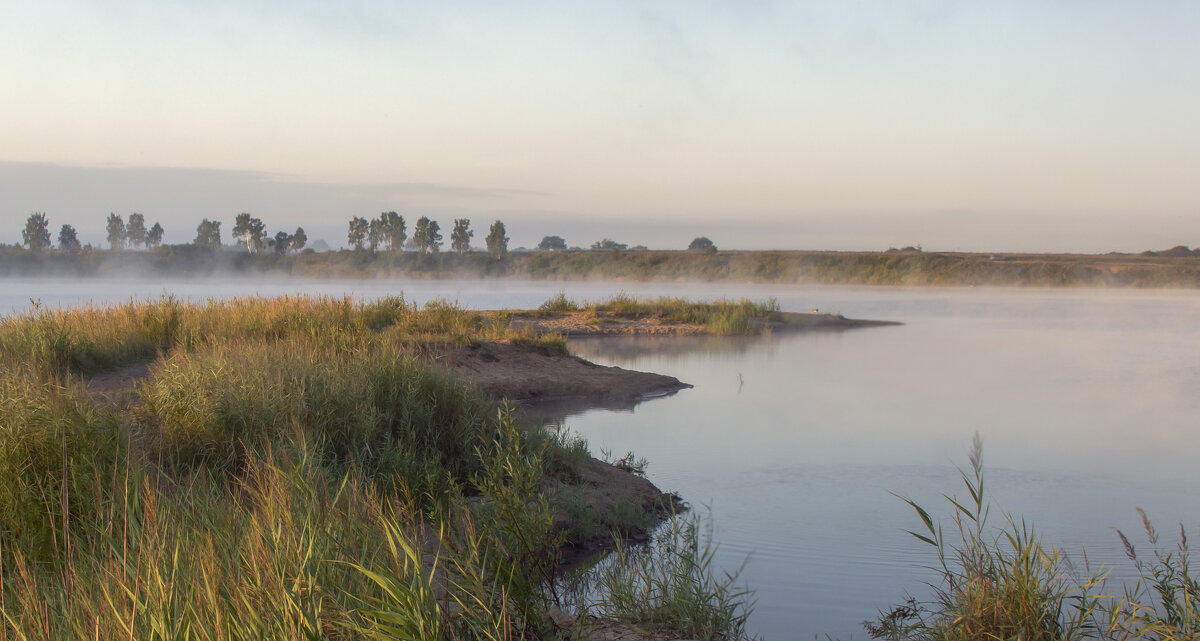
628	349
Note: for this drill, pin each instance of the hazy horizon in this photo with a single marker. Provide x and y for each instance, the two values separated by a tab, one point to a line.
1021	126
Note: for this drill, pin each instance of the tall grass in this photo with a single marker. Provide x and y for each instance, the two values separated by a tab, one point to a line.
369	405
284	550
92	339
673	586
289	469
1165	602
57	450
1002	583
995	584
720	317
559	303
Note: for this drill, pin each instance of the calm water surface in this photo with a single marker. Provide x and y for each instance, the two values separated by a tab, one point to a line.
1086	401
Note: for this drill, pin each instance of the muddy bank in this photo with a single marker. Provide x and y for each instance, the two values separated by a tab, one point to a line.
528	375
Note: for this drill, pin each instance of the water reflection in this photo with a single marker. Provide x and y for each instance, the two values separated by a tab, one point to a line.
1086	405
1087	402
622	350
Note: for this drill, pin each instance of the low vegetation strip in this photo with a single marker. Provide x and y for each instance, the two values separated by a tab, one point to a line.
623	314
287	468
1175	268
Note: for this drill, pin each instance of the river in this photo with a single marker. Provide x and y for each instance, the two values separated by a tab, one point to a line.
1086	400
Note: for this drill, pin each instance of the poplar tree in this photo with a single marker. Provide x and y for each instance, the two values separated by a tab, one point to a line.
359	228
36	234
299	239
460	236
68	239
135	230
154	236
427	236
396	232
497	242
208	233
116	232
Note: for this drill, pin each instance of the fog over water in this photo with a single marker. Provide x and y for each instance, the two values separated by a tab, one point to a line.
1086	400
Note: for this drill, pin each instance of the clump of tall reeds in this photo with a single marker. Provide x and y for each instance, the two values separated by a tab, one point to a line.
57	449
1003	584
285	549
92	339
721	317
995	583
1165	602
485	574
368	405
559	303
673	586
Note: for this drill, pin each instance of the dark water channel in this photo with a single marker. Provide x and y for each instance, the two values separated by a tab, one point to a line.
1087	402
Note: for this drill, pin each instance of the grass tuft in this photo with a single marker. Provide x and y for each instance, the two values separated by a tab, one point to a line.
672	586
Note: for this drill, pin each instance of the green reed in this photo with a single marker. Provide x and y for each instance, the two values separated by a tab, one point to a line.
284	469
1002	583
674	586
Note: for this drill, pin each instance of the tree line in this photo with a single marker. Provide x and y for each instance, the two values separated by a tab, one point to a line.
122	233
388	232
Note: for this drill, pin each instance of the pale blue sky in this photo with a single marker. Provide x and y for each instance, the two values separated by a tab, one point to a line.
1070	125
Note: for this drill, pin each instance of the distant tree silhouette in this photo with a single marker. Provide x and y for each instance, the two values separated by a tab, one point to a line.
154	236
460	237
208	233
36	234
68	239
552	243
299	239
427	236
376	232
702	244
608	244
394	230
283	242
250	232
497	242
357	234
116	232
135	230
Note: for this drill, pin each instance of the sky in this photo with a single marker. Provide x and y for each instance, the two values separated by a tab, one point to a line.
1050	125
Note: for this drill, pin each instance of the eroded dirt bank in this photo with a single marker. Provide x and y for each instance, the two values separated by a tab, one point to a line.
526	374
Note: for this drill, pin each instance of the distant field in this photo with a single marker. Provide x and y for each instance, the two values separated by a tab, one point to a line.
1175	268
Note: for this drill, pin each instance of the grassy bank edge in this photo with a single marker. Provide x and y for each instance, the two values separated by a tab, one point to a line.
247	490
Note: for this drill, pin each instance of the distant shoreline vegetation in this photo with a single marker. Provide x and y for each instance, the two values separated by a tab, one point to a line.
1175	268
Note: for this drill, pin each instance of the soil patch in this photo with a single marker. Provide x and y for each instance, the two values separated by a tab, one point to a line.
116	381
527	375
